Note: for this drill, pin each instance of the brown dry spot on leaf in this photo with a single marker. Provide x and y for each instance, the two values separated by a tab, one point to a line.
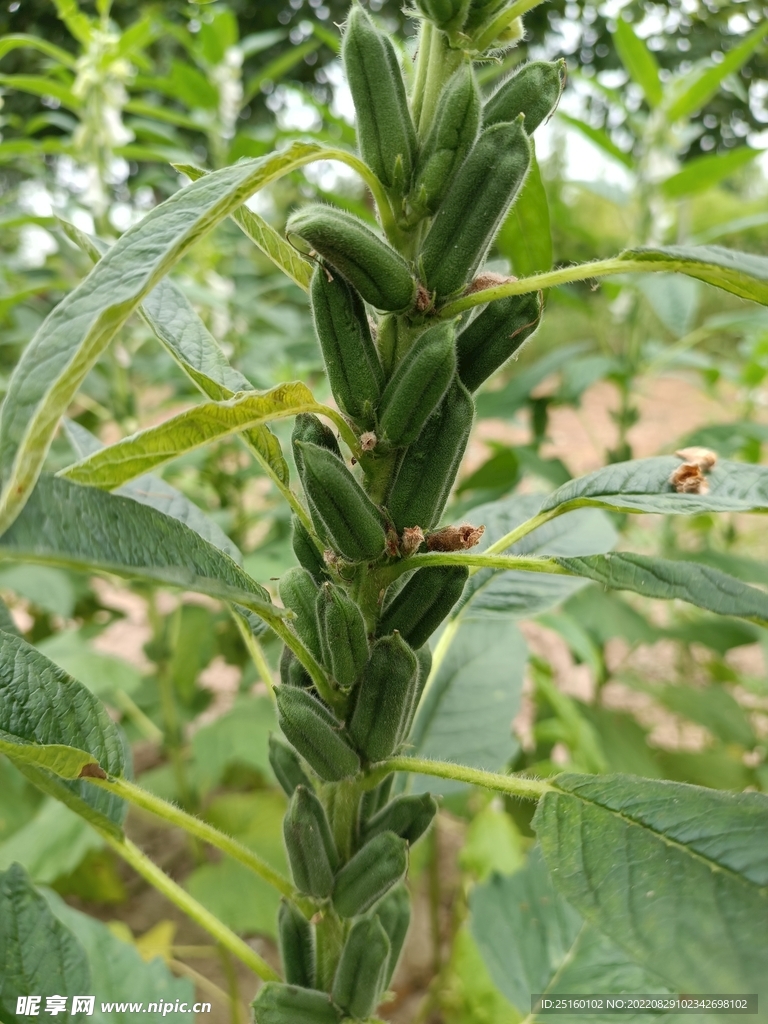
689	479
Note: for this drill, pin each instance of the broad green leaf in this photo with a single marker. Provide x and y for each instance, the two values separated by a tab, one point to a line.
37	85
40	956
49	589
533	941
525	237
684	581
110	467
712	707
241	736
103	674
741	273
19	800
600	137
674	298
50	723
77	331
707	171
468	995
52	844
677	876
640	63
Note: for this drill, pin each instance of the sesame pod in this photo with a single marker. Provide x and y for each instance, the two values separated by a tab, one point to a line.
429	466
370	874
453	132
286	765
534	91
407	816
298	592
308	841
385	132
363	967
351	360
481	12
343	636
296	939
306	551
381	275
394	912
418	385
374	799
448	15
474	206
340	506
307	427
292	672
421	605
289	1004
383	698
495	335
315	734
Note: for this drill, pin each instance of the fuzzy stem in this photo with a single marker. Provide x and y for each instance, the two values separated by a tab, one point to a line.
514	785
442	62
521	531
316	671
256	652
422	67
522	563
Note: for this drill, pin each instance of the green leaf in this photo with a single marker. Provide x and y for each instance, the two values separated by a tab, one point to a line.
40	86
741	273
677	876
50	723
493	844
48	589
468	995
711	707
7	625
52	844
506	401
707	171
525	237
103	674
601	139
240	736
19	39
640	63
40	956
76	332
533	941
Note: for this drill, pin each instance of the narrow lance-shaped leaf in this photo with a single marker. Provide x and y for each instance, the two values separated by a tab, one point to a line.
639	61
600	137
707	171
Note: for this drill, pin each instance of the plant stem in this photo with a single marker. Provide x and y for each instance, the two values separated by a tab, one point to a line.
514	785
256	652
442	61
521	531
388	222
422	67
522	563
310	663
170	710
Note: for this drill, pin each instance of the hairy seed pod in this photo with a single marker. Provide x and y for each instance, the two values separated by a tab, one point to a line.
407	816
288	1004
381	275
495	335
370	874
481	12
534	91
385	132
307	427
394	912
308	841
306	551
424	660
286	765
383	698
292	672
453	132
315	734
351	360
296	940
344	511
474	206
421	605
374	799
429	466
418	385
343	636
363	967
448	15
298	592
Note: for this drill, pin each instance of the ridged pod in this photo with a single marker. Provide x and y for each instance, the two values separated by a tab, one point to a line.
315	734
534	91
306	551
298	592
351	360
421	605
383	698
407	816
289	1004
370	874
385	132
286	765
448	15
394	912
474	206
292	672
362	972
381	275
429	467
296	939
417	385
340	506
495	335
343	636
311	850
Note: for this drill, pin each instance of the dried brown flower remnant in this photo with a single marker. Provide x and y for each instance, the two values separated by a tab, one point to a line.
411	540
488	279
704	458
424	300
689	479
368	441
455	538
393	544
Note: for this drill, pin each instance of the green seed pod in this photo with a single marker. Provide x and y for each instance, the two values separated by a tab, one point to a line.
306	551
481	12
286	765
351	360
495	335
289	1004
394	912
381	275
418	385
534	91
296	939
383	698
292	672
344	511
315	734
448	15
370	874
421	605
451	137
363	968
343	636
385	132
429	467
474	206
407	816
308	841
298	592
307	427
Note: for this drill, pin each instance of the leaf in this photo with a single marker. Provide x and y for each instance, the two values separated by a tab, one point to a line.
525	237
712	707
600	137
48	589
677	876
52	844
50	723
103	674
674	299
468	995
533	941
40	956
240	736
40	86
76	332
515	394
639	62
112	466
19	39
707	171
741	273
493	844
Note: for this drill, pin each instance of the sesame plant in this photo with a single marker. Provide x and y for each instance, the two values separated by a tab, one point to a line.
647	885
